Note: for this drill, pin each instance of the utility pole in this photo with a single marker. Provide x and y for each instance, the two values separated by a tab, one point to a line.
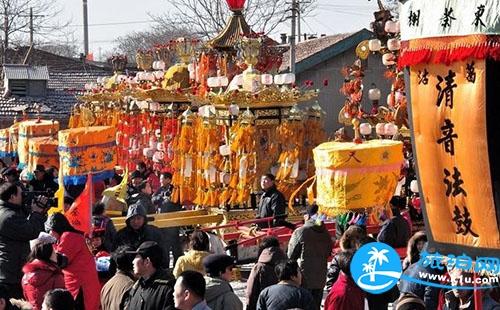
293	36
85	29
31	27
298	22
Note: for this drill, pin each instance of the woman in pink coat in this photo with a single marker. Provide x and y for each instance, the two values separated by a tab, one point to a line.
80	275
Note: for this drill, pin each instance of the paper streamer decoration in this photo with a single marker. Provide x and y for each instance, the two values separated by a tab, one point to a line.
33	129
356	176
87	150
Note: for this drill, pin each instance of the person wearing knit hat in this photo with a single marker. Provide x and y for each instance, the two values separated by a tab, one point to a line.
219	294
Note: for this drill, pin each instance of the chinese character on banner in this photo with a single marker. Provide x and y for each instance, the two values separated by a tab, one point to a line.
479	13
454	187
414	18
423	77
447	18
447	91
463	222
447	137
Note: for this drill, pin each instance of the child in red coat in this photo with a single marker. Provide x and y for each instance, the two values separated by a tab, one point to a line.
41	273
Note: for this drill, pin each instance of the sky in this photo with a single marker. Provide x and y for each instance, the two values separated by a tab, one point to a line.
109	19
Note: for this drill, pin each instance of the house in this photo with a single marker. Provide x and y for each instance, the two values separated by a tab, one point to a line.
323	58
45	79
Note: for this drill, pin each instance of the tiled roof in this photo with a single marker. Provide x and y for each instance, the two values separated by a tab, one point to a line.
66	80
52	61
61	95
25	72
314	50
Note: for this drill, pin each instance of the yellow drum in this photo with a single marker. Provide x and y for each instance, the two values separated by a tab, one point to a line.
43	151
87	150
353	176
33	129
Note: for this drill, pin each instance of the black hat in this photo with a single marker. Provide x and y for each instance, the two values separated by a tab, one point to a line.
149	249
215	264
312	210
136	174
39	168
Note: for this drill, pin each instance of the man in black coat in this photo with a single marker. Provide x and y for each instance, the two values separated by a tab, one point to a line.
17	228
272	203
395	231
138	230
161	199
155	287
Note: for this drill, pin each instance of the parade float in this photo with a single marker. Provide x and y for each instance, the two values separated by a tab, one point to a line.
451	52
215	119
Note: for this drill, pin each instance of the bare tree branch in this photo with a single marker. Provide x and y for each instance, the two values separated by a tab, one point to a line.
208	17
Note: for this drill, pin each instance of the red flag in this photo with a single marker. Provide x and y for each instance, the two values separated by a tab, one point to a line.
80	213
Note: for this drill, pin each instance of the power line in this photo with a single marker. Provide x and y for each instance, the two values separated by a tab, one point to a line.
116	23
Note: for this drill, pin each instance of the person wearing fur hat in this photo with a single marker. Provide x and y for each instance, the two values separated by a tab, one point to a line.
80	274
41	272
137	230
219	294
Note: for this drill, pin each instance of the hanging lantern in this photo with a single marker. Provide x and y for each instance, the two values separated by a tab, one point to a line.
393	44
392	26
374	45
236	5
388	59
365	129
374	94
380	129
390	129
414	186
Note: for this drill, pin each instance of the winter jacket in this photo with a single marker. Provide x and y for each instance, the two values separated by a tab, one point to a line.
220	295
161	199
395	232
272	203
263	274
311	244
345	294
81	272
427	293
16	230
155	293
133	238
40	277
192	260
285	296
115	291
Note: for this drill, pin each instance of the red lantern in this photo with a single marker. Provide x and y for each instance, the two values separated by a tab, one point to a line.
236	5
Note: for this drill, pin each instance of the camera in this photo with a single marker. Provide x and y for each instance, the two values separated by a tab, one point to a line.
30	197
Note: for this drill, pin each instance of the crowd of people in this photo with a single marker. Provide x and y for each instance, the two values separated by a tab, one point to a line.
45	263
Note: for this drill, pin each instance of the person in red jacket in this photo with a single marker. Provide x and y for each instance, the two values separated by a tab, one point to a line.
80	274
345	294
41	273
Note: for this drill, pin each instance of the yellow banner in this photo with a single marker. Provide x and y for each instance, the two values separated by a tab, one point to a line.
449	125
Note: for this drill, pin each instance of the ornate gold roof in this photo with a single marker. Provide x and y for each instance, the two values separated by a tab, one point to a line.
236	28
